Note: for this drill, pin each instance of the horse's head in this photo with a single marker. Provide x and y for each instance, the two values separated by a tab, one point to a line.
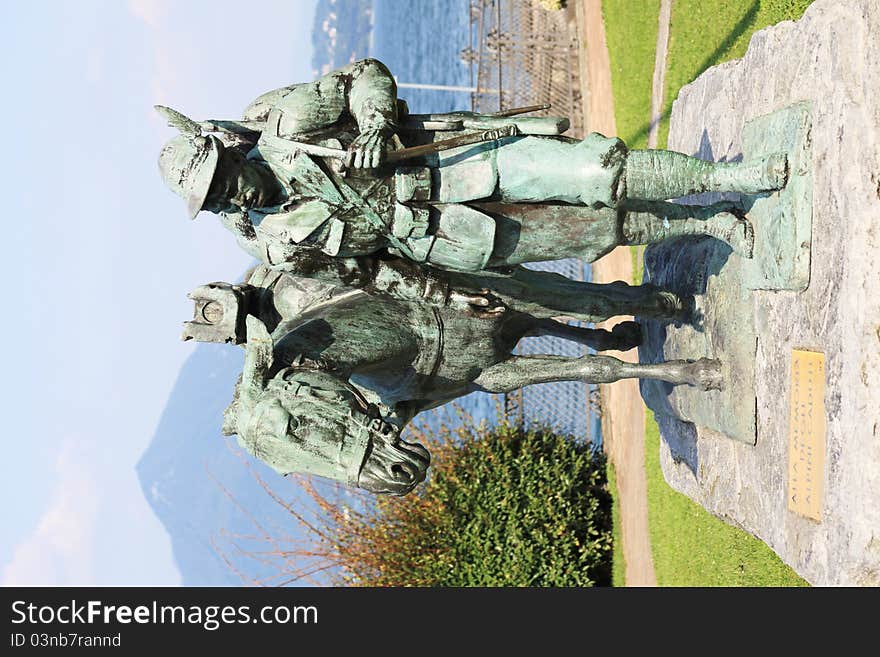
309	421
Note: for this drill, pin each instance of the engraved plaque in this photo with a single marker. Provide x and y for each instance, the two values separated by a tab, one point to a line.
806	434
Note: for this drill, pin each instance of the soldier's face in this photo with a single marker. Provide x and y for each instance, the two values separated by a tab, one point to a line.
237	185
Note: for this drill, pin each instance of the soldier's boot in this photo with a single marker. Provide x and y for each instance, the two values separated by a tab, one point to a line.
656	175
721	221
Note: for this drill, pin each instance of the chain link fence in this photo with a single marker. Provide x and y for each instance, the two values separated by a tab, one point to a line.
522	54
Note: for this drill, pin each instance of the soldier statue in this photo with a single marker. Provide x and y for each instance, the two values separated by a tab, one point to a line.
391	247
339	167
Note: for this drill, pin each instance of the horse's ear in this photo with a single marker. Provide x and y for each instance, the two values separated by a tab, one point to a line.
230	415
258	351
257	362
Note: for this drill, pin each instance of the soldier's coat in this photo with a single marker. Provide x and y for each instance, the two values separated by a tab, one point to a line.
429	212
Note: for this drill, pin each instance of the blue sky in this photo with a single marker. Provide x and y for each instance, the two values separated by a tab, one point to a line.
100	255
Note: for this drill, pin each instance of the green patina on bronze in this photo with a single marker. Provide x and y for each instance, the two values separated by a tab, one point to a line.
392	246
723	285
280	159
333	374
782	246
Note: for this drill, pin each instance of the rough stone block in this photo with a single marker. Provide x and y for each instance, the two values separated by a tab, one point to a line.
830	60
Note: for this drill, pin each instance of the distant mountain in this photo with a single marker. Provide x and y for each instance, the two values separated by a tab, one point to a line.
194	478
180	470
341	34
191	475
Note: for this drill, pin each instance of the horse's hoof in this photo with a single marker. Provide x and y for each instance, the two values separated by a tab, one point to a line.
776	171
670	304
628	335
734	230
707	374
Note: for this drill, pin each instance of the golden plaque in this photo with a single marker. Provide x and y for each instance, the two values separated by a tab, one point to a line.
806	434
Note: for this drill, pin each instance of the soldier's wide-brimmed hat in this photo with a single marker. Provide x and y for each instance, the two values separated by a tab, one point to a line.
188	161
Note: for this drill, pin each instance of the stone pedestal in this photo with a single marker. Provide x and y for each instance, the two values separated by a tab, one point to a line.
813	285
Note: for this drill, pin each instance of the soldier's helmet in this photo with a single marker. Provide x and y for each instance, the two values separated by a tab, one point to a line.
188	161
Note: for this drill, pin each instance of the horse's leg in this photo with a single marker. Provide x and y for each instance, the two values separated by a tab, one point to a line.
545	295
624	336
519	371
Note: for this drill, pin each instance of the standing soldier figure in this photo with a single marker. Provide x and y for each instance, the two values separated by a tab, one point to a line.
319	167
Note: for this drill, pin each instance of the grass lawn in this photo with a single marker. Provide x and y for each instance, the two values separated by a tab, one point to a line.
690	546
631	32
703	33
617	563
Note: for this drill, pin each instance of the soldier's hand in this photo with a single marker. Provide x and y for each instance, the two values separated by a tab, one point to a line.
482	304
367	151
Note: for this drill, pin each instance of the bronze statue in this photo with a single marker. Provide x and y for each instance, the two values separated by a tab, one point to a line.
312	167
332	374
391	247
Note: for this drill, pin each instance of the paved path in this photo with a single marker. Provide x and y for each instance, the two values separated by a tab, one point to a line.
623	414
659	81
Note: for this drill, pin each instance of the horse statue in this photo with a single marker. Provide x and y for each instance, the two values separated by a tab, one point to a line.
332	375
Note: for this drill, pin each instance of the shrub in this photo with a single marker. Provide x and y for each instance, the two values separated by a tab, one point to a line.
503	507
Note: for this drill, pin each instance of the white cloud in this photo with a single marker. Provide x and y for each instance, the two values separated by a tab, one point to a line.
60	551
165	79
150	12
94	65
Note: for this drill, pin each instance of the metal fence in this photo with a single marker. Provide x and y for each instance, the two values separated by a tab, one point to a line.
522	54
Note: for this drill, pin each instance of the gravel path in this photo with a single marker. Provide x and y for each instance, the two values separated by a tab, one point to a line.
659	72
623	417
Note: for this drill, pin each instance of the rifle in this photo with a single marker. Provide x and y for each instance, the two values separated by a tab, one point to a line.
404	153
485	127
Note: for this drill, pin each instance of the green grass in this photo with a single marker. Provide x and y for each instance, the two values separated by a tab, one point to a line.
705	33
631	32
618	569
691	547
